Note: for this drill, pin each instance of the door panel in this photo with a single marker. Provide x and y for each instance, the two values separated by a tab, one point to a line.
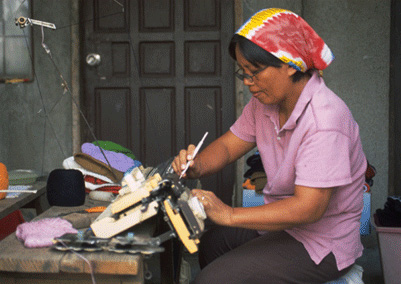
165	77
113	101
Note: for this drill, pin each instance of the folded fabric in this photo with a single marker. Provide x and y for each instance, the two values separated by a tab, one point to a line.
259	179
390	215
70	163
93	181
112	146
255	164
248	185
118	161
41	233
369	174
94	165
109	187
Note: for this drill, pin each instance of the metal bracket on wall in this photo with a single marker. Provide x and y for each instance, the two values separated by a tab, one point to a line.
22	22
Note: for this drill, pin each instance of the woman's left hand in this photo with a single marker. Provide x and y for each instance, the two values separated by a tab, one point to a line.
215	209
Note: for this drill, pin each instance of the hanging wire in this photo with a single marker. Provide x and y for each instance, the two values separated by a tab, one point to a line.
66	88
47	119
121	5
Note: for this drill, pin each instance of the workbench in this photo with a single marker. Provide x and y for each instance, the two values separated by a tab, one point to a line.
9	205
19	264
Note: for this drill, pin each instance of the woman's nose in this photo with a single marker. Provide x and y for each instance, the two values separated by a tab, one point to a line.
248	81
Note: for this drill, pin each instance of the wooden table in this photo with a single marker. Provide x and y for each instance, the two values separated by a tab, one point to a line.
45	265
9	205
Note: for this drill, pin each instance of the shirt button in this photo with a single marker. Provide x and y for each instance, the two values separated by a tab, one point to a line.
278	138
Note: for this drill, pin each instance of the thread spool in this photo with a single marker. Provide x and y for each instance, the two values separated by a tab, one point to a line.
66	187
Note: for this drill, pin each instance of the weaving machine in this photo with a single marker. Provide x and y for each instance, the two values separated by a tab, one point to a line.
140	198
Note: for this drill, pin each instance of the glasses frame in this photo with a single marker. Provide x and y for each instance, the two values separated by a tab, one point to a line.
244	76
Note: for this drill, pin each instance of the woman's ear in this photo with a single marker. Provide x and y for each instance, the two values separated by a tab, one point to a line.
291	71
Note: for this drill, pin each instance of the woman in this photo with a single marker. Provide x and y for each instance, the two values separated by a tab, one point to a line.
308	229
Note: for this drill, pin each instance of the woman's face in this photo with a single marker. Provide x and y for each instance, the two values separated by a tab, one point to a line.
270	86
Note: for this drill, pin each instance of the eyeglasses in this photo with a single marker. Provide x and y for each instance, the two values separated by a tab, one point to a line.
242	76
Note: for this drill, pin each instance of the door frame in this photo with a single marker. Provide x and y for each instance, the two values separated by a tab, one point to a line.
394	156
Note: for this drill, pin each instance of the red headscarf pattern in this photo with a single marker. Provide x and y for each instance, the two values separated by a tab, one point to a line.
288	37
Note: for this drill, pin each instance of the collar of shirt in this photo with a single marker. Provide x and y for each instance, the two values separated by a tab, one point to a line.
303	100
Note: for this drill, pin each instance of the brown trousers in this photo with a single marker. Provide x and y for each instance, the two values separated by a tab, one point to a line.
234	255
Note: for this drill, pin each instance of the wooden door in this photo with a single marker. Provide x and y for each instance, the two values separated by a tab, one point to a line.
164	76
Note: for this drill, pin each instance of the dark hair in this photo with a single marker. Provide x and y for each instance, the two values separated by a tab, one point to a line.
257	56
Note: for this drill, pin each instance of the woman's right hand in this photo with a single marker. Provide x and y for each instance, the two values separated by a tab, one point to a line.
180	161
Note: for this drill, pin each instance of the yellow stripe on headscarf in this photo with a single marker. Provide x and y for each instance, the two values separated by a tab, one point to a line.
258	19
300	64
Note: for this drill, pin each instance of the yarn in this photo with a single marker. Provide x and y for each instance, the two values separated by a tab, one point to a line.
66	188
3	180
101	196
41	233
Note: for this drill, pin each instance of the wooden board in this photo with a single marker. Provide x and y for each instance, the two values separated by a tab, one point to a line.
9	205
17	261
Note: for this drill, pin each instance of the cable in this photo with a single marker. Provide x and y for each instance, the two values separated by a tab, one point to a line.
83	258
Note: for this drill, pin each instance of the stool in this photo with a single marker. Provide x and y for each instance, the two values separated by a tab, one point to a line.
354	276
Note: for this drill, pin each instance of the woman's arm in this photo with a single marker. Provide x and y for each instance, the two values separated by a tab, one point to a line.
307	205
221	152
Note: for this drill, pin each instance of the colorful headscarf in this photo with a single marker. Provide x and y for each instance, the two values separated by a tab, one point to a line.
288	37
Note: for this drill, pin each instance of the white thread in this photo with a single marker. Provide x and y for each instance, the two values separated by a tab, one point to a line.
84	259
101	195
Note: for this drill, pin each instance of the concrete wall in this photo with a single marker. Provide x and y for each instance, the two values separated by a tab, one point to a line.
359	36
36	126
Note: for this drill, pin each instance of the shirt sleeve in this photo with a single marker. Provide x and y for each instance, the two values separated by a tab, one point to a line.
244	127
323	160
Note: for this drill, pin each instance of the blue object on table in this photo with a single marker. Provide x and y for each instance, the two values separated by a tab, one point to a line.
250	198
365	218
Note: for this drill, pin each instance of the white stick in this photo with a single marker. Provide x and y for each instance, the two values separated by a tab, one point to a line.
19	190
194	154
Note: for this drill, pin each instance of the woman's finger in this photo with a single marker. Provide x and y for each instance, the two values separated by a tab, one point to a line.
190	152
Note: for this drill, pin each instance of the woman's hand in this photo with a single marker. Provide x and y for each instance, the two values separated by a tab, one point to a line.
181	160
215	209
224	150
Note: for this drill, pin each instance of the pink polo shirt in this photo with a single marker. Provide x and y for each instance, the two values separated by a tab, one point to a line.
319	146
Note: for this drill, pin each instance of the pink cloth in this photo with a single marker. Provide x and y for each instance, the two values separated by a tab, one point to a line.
319	146
41	233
